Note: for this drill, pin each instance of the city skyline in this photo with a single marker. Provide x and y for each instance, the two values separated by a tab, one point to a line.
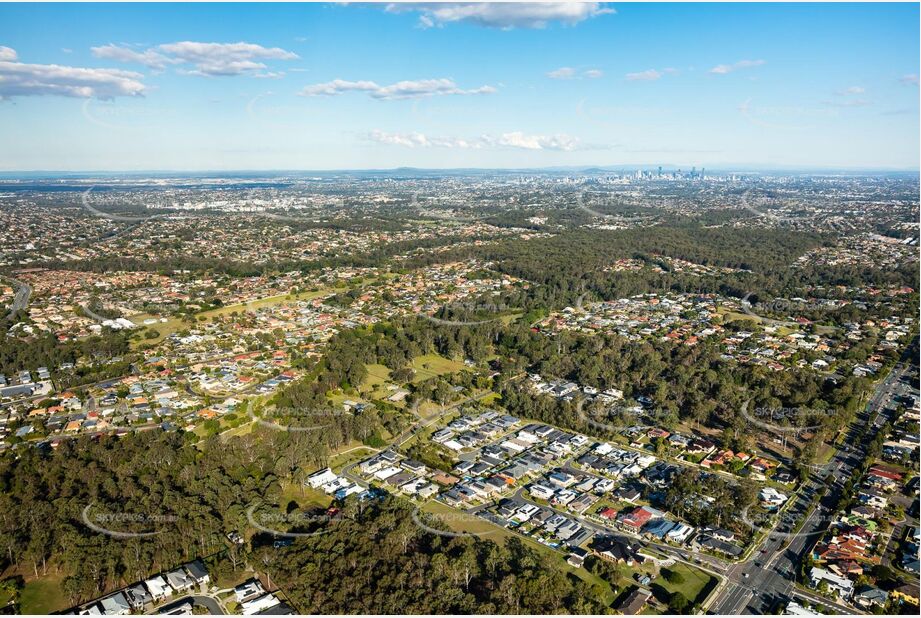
555	85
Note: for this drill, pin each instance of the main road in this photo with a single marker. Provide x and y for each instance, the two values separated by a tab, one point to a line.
768	577
21	299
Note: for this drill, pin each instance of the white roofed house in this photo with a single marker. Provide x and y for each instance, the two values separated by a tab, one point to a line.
249	589
158	588
840	585
258	605
318	479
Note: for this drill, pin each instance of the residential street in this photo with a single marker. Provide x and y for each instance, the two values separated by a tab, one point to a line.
766	579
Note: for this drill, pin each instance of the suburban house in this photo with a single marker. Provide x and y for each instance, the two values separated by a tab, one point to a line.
841	585
115	605
138	597
634	602
318	479
158	588
179	580
198	573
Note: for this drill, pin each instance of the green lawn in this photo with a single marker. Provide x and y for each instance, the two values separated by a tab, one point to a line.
306	497
43	596
462	522
337	462
426	367
432	365
694	584
377	376
6	597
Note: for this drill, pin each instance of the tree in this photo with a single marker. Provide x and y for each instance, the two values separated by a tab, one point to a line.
678	603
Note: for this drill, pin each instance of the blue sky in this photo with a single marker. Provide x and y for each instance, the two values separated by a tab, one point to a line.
331	86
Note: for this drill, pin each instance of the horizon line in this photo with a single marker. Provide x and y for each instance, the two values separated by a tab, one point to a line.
550	168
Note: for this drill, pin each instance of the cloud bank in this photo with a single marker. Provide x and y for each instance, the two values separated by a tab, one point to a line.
408	89
513	140
503	15
20	79
205	59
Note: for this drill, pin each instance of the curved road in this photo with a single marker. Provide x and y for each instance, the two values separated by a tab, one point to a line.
21	300
210	603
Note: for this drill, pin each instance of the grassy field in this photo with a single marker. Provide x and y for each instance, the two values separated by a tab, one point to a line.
694	585
172	325
337	462
306	497
43	596
428	409
378	375
426	367
432	365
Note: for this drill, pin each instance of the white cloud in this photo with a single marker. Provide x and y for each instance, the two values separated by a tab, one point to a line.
848	103
409	89
505	15
722	69
570	73
650	74
207	59
418	140
647	75
18	79
909	79
562	73
851	90
518	139
515	139
149	58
